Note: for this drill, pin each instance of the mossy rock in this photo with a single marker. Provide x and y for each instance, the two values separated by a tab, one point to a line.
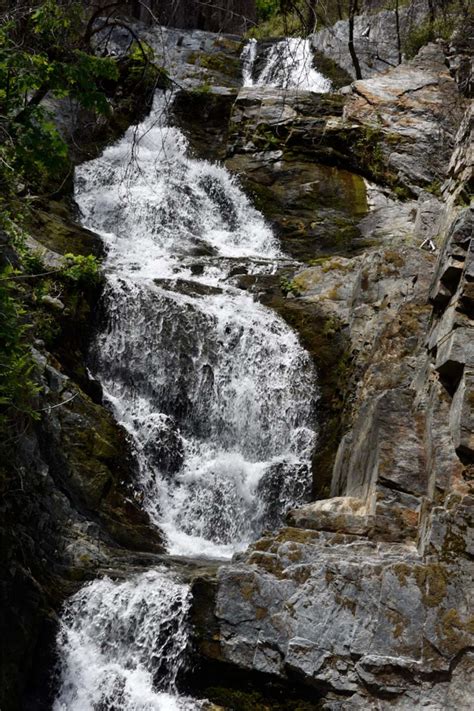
53	227
89	456
219	62
204	118
315	209
330	69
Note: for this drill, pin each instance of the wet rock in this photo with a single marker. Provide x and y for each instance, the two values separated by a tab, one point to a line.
279	147
366	597
52	303
282	482
192	288
163	446
203	116
344	513
55	231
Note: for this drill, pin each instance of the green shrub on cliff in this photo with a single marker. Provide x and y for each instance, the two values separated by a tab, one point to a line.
17	384
428	31
82	270
42	51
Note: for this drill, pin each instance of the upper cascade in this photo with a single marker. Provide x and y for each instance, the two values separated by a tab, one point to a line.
285	64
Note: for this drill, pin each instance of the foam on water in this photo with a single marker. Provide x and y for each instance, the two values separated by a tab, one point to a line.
286	64
122	645
214	388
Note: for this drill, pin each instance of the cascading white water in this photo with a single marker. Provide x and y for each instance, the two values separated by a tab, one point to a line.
214	388
286	64
248	57
122	645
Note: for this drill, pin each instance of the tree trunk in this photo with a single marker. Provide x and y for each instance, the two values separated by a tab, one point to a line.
311	19
397	23
353	9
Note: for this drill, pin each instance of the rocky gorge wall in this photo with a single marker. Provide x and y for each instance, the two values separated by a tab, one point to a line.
365	596
362	601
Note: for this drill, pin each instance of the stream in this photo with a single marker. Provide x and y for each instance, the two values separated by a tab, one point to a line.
214	389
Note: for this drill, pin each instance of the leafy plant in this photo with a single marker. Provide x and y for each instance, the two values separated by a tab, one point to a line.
42	52
18	387
428	31
267	9
83	270
32	262
288	286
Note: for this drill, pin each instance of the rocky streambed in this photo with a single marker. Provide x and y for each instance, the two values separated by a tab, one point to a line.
292	386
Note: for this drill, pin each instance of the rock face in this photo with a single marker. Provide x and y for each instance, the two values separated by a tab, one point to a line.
418	108
366	597
292	166
375	38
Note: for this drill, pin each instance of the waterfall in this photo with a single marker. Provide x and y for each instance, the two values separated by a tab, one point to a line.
248	57
122	645
286	64
214	389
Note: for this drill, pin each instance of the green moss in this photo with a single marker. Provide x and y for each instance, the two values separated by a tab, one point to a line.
402	571
368	148
268	562
296	535
433	582
204	88
402	192
397	621
55	230
434	188
330	69
393	257
217	62
289	286
327	343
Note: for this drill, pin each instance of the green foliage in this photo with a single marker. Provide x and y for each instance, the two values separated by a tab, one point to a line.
41	53
17	384
32	262
434	188
288	286
203	88
278	18
142	67
82	270
267	9
277	25
420	35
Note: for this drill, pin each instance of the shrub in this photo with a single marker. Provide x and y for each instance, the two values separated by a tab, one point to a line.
83	270
417	37
17	383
